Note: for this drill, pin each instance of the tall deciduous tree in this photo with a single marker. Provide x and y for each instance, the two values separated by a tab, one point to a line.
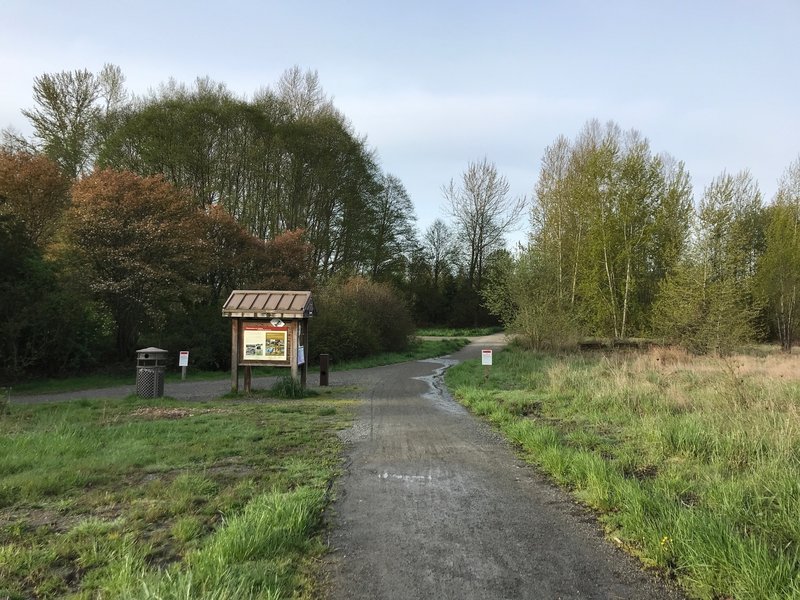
271	163
708	304
391	231
731	234
142	240
779	266
440	249
68	113
612	218
483	212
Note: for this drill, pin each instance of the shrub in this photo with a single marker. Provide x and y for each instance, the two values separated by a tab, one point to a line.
357	318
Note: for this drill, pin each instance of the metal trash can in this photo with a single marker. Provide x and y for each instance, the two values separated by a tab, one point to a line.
151	364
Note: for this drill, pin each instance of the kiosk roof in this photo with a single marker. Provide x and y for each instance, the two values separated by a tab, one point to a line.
261	304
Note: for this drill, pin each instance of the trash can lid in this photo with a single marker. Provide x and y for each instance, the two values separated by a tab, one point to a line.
152	350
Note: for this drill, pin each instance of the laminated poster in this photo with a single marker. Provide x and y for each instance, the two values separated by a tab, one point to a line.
262	341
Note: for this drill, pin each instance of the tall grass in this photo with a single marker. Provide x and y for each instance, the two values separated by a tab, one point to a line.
694	463
250	556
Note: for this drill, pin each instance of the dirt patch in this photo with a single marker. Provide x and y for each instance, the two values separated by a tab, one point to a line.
152	413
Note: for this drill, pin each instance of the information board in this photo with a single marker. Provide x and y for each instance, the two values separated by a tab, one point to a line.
264	342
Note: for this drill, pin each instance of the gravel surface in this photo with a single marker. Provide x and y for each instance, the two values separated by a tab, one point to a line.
434	504
181	390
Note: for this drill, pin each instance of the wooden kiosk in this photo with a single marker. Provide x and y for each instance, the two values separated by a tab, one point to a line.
268	328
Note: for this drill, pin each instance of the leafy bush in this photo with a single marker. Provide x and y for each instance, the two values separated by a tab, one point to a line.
47	325
357	318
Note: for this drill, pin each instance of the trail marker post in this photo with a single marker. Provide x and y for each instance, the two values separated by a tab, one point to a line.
183	362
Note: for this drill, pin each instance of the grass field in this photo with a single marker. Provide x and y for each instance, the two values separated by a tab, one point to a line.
693	464
164	500
418	350
457	331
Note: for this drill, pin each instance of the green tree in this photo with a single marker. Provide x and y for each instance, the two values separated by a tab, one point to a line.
731	233
142	241
613	219
357	317
704	316
278	163
709	303
523	293
779	267
391	231
68	114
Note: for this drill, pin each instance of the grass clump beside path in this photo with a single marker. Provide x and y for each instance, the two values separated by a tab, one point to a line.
162	499
693	463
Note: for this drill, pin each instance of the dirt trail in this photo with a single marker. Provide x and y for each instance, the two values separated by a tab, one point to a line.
435	505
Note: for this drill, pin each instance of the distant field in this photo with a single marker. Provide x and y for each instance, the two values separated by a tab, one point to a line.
693	463
159	499
458	332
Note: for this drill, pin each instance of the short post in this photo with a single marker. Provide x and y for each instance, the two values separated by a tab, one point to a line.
235	355
324	364
248	378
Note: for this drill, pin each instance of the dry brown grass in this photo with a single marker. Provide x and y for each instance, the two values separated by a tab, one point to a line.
770	363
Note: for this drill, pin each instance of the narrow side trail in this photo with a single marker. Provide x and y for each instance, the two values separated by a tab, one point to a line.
434	504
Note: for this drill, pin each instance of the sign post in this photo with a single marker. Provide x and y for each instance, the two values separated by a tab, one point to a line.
486	361
183	362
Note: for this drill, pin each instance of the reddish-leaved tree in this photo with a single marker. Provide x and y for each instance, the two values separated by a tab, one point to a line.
141	240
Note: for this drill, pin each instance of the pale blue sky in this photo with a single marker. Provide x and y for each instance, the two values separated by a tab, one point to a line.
434	85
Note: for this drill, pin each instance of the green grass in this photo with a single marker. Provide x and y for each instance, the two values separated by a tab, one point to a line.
694	464
162	499
458	331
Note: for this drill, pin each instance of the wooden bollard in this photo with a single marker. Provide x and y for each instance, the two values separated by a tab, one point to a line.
324	365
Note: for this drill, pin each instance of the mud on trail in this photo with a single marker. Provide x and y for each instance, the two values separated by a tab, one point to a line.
433	504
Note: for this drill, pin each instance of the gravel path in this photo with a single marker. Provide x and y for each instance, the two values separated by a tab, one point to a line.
435	505
181	390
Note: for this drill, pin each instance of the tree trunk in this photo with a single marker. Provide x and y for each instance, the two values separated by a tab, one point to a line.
625	297
610	279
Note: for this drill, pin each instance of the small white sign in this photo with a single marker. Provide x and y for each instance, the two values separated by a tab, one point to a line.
277	323
486	358
301	355
183	358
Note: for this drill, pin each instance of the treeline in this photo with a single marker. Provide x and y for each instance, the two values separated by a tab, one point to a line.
620	249
126	221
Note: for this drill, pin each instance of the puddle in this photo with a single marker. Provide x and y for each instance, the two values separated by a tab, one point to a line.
437	392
